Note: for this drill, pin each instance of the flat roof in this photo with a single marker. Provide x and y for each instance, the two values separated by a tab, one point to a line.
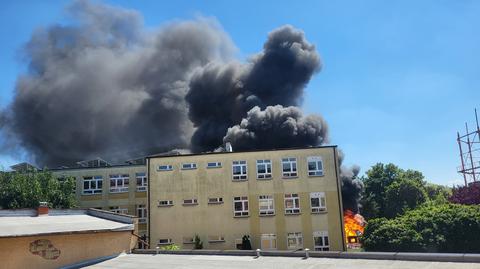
19	223
230	152
246	262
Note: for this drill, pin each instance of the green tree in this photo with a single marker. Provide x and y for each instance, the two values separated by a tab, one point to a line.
28	189
429	228
390	190
403	195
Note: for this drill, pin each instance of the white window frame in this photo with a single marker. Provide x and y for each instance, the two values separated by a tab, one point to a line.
188	240
297	238
315	166
292	172
166	241
216	239
322	202
272	238
163	203
189	166
97	180
295	201
121	182
214	165
325	242
118	210
165	167
270	204
243	171
143	180
267	166
190	201
244	212
215	200
141	213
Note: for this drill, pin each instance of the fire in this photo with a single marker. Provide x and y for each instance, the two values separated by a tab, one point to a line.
354	225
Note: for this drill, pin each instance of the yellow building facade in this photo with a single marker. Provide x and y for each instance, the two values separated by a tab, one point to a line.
281	199
120	189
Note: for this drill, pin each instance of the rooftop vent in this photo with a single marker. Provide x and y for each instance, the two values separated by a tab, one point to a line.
228	147
98	162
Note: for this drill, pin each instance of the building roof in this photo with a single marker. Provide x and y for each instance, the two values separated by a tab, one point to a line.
163	155
16	223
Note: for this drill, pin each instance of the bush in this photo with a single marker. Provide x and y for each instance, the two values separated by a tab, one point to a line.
198	244
430	228
170	247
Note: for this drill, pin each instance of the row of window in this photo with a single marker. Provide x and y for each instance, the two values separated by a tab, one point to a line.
265	202
267	241
118	183
140	210
263	167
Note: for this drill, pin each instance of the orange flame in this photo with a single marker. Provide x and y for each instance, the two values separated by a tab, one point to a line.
354	226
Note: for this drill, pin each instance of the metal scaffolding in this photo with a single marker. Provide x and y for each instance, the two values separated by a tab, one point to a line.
469	146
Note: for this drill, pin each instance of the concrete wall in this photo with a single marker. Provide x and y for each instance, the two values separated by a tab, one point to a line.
105	200
16	252
179	221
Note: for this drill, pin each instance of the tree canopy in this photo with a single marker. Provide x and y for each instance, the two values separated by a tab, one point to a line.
429	228
28	189
390	191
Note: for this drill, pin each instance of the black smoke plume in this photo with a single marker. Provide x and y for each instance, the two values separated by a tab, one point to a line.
221	94
107	86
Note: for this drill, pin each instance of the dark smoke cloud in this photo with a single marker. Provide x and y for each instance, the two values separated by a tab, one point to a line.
221	94
352	186
277	127
108	87
105	86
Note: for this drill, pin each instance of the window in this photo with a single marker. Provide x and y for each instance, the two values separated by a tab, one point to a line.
315	166
165	167
294	240
141	213
92	184
266	205
268	241
292	204
188	240
189	166
165	203
118	210
192	201
239	243
217	200
240	206
264	169
142	182
289	167
239	169
165	241
320	240
317	202
216	239
119	183
214	165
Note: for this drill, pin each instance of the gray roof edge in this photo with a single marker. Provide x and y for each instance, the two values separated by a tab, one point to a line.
127	219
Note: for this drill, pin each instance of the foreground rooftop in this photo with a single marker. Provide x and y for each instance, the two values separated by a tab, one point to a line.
15	223
146	261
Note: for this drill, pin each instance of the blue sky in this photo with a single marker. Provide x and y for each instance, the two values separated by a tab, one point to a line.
398	79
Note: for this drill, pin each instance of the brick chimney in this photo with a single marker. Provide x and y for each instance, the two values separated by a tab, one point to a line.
42	209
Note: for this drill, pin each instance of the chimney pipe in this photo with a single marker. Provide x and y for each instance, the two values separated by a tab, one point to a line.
42	209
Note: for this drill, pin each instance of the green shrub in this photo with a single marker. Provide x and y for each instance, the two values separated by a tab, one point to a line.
430	228
170	247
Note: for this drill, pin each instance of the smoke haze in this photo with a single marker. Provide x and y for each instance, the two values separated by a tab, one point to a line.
106	86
